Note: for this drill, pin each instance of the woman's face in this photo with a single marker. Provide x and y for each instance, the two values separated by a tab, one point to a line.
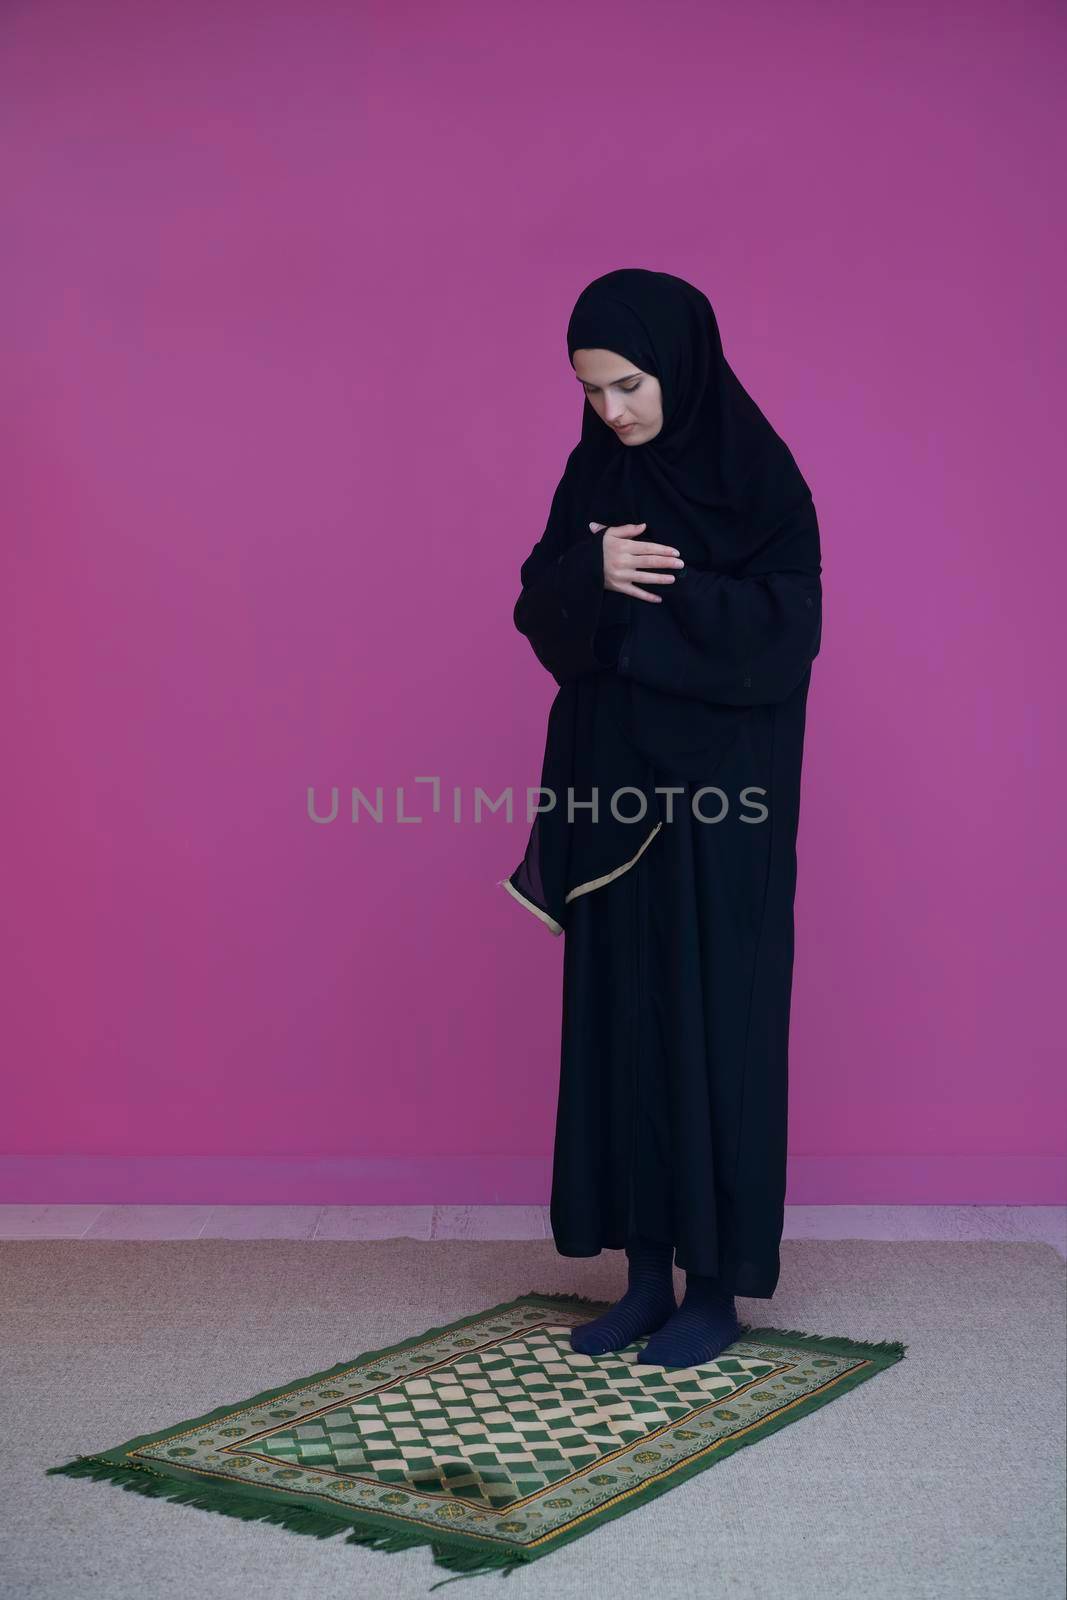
620	394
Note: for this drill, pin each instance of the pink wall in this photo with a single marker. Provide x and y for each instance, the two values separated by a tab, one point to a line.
260	258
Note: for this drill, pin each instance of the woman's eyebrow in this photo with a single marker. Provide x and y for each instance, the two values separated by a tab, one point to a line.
624	379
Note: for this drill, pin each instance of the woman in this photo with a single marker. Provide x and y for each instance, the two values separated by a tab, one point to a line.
676	598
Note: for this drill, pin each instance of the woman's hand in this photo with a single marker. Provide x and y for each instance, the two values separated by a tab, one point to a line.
626	561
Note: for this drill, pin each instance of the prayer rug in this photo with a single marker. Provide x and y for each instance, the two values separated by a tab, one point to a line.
488	1439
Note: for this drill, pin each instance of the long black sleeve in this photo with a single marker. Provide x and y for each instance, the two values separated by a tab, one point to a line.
736	641
559	610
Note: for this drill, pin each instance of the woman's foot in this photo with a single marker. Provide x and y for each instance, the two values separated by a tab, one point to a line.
704	1325
647	1303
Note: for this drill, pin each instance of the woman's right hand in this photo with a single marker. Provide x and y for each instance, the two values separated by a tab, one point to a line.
628	559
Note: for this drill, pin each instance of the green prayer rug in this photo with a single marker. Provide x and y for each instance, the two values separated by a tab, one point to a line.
489	1439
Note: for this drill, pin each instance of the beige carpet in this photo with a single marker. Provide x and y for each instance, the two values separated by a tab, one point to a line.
943	1478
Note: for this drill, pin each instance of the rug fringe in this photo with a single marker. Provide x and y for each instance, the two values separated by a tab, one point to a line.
463	1561
206	1497
831	1344
565	1299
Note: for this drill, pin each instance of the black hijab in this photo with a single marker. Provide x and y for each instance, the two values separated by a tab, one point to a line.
716	480
718	484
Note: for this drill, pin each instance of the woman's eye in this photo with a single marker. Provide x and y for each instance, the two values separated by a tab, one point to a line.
630	390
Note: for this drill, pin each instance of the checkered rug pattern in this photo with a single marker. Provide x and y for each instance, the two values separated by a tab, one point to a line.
489	1439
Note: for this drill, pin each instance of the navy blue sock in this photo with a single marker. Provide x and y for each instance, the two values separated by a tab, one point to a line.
648	1301
701	1329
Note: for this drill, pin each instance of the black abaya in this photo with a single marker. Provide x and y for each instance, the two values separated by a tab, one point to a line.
672	1111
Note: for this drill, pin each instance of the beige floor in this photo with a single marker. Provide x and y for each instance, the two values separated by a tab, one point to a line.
941	1479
